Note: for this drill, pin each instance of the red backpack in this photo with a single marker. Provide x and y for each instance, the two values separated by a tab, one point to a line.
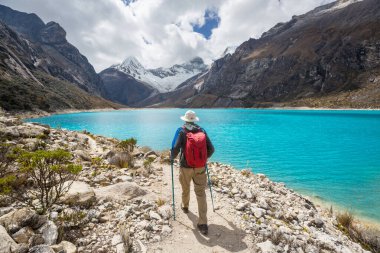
196	149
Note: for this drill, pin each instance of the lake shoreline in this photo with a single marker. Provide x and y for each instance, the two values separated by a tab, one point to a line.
327	204
39	114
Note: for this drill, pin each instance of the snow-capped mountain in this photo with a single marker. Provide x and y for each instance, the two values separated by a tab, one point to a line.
163	79
229	50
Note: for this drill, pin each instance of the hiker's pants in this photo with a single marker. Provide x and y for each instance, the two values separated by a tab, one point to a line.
199	177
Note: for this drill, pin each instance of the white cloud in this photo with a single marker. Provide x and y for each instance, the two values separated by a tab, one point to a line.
107	31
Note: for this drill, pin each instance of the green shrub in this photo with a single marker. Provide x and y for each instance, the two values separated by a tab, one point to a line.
148	164
48	172
128	144
5	158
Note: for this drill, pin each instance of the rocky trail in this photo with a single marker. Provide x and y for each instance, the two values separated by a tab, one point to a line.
223	236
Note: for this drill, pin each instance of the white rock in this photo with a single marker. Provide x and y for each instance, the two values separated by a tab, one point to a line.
142	247
49	232
142	224
124	178
7	245
120	191
116	239
263	204
258	212
154	215
166	230
65	246
120	248
79	193
266	247
41	249
234	191
165	211
241	206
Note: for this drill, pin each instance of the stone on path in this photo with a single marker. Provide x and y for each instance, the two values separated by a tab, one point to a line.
266	247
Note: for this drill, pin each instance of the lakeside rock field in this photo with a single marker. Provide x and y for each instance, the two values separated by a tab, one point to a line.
120	201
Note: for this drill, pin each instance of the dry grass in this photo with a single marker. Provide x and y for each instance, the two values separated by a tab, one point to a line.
368	237
160	202
345	219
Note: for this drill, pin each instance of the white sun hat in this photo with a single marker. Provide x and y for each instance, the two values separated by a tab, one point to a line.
190	116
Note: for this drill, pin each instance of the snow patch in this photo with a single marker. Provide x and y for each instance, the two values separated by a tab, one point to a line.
340	5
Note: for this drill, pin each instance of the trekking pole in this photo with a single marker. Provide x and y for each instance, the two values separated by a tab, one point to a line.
172	162
209	184
172	165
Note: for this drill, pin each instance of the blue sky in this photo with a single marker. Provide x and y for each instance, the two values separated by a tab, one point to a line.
212	21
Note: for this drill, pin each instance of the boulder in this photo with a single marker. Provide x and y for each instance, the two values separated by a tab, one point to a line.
23	235
120	191
41	249
80	194
36	239
166	230
165	211
154	216
124	178
317	222
65	246
24	217
82	155
151	154
49	232
7	245
242	206
101	179
5	210
30	130
266	247
258	212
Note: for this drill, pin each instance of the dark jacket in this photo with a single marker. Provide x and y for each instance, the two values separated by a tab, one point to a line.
180	143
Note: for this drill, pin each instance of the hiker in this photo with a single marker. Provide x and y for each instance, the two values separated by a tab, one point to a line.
192	137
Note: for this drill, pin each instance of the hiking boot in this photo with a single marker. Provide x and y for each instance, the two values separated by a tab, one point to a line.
203	228
185	209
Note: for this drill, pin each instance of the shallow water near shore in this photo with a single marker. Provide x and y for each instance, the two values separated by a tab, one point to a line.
332	155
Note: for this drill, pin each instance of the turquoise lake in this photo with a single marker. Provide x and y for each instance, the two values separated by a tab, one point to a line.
331	155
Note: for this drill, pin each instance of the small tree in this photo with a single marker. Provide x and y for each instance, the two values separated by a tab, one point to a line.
128	144
49	171
148	164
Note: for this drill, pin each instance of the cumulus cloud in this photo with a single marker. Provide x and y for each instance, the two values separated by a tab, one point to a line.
160	32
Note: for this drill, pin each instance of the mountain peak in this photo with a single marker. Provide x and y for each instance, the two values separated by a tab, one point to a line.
131	61
163	79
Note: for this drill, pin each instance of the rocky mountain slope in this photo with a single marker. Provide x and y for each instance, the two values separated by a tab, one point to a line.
41	70
327	57
118	209
130	82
